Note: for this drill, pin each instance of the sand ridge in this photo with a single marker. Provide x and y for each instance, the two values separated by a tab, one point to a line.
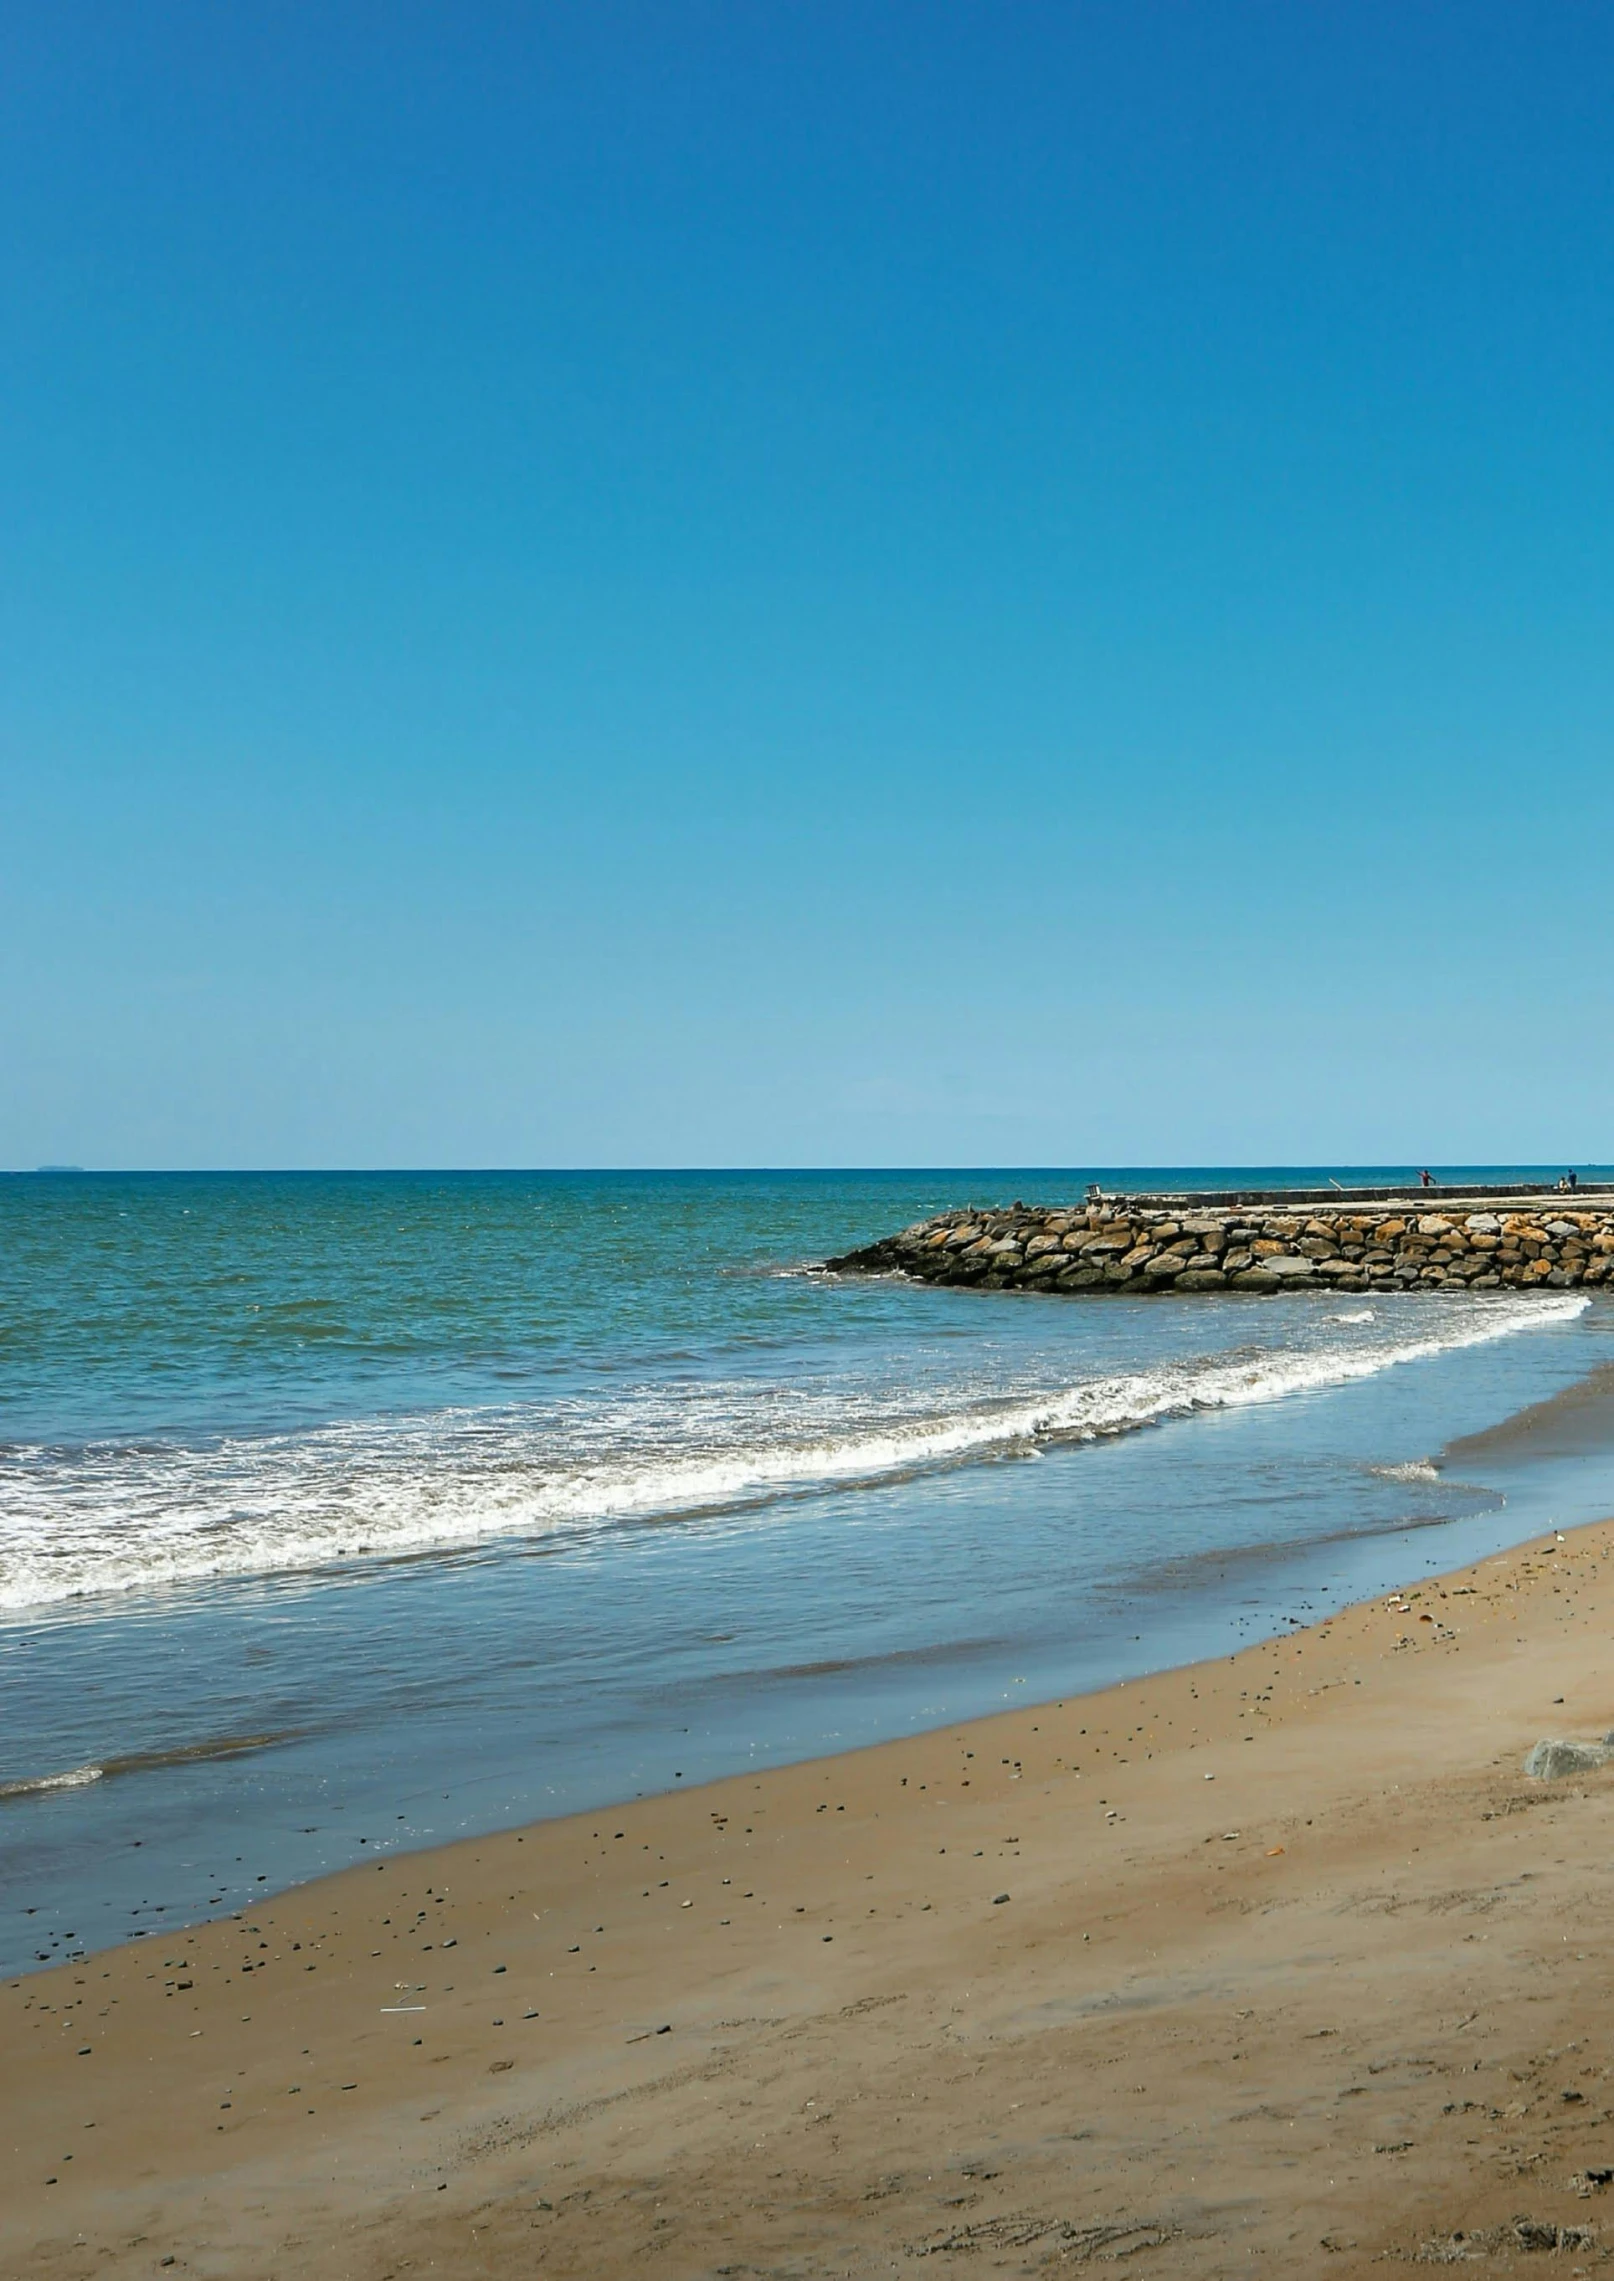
1276	1957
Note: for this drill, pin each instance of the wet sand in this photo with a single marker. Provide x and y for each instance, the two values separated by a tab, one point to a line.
1575	1423
1275	1959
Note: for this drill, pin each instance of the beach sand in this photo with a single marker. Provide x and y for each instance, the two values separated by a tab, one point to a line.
1277	1961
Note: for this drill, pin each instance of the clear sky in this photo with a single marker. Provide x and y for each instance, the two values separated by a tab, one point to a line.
736	582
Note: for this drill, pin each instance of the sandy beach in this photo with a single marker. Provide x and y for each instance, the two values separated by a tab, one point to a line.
1278	1959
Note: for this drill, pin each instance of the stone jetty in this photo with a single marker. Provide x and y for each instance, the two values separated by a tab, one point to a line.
1372	1240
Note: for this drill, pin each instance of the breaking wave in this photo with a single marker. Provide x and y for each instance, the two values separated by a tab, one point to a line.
114	1517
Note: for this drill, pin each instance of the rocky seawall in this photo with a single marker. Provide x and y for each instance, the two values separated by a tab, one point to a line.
1137	1245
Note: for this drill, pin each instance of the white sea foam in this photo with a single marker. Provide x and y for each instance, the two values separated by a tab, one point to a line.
110	1518
77	1778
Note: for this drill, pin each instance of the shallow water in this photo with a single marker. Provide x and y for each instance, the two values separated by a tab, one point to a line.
345	1513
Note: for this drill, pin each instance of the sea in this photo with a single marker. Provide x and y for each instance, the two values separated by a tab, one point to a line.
349	1513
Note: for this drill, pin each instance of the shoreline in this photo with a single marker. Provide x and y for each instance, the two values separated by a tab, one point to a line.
1191	1607
822	1924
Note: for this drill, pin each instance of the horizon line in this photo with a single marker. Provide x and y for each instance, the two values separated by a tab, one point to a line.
1449	1167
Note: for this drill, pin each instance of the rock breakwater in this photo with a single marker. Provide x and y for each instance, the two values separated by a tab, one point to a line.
1128	1244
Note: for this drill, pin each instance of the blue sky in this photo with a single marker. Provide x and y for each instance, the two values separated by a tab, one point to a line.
721	584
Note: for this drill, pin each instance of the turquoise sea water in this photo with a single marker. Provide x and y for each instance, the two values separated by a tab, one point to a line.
351	1511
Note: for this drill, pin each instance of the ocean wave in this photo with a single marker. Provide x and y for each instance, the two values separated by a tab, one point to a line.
142	1762
39	1785
112	1518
